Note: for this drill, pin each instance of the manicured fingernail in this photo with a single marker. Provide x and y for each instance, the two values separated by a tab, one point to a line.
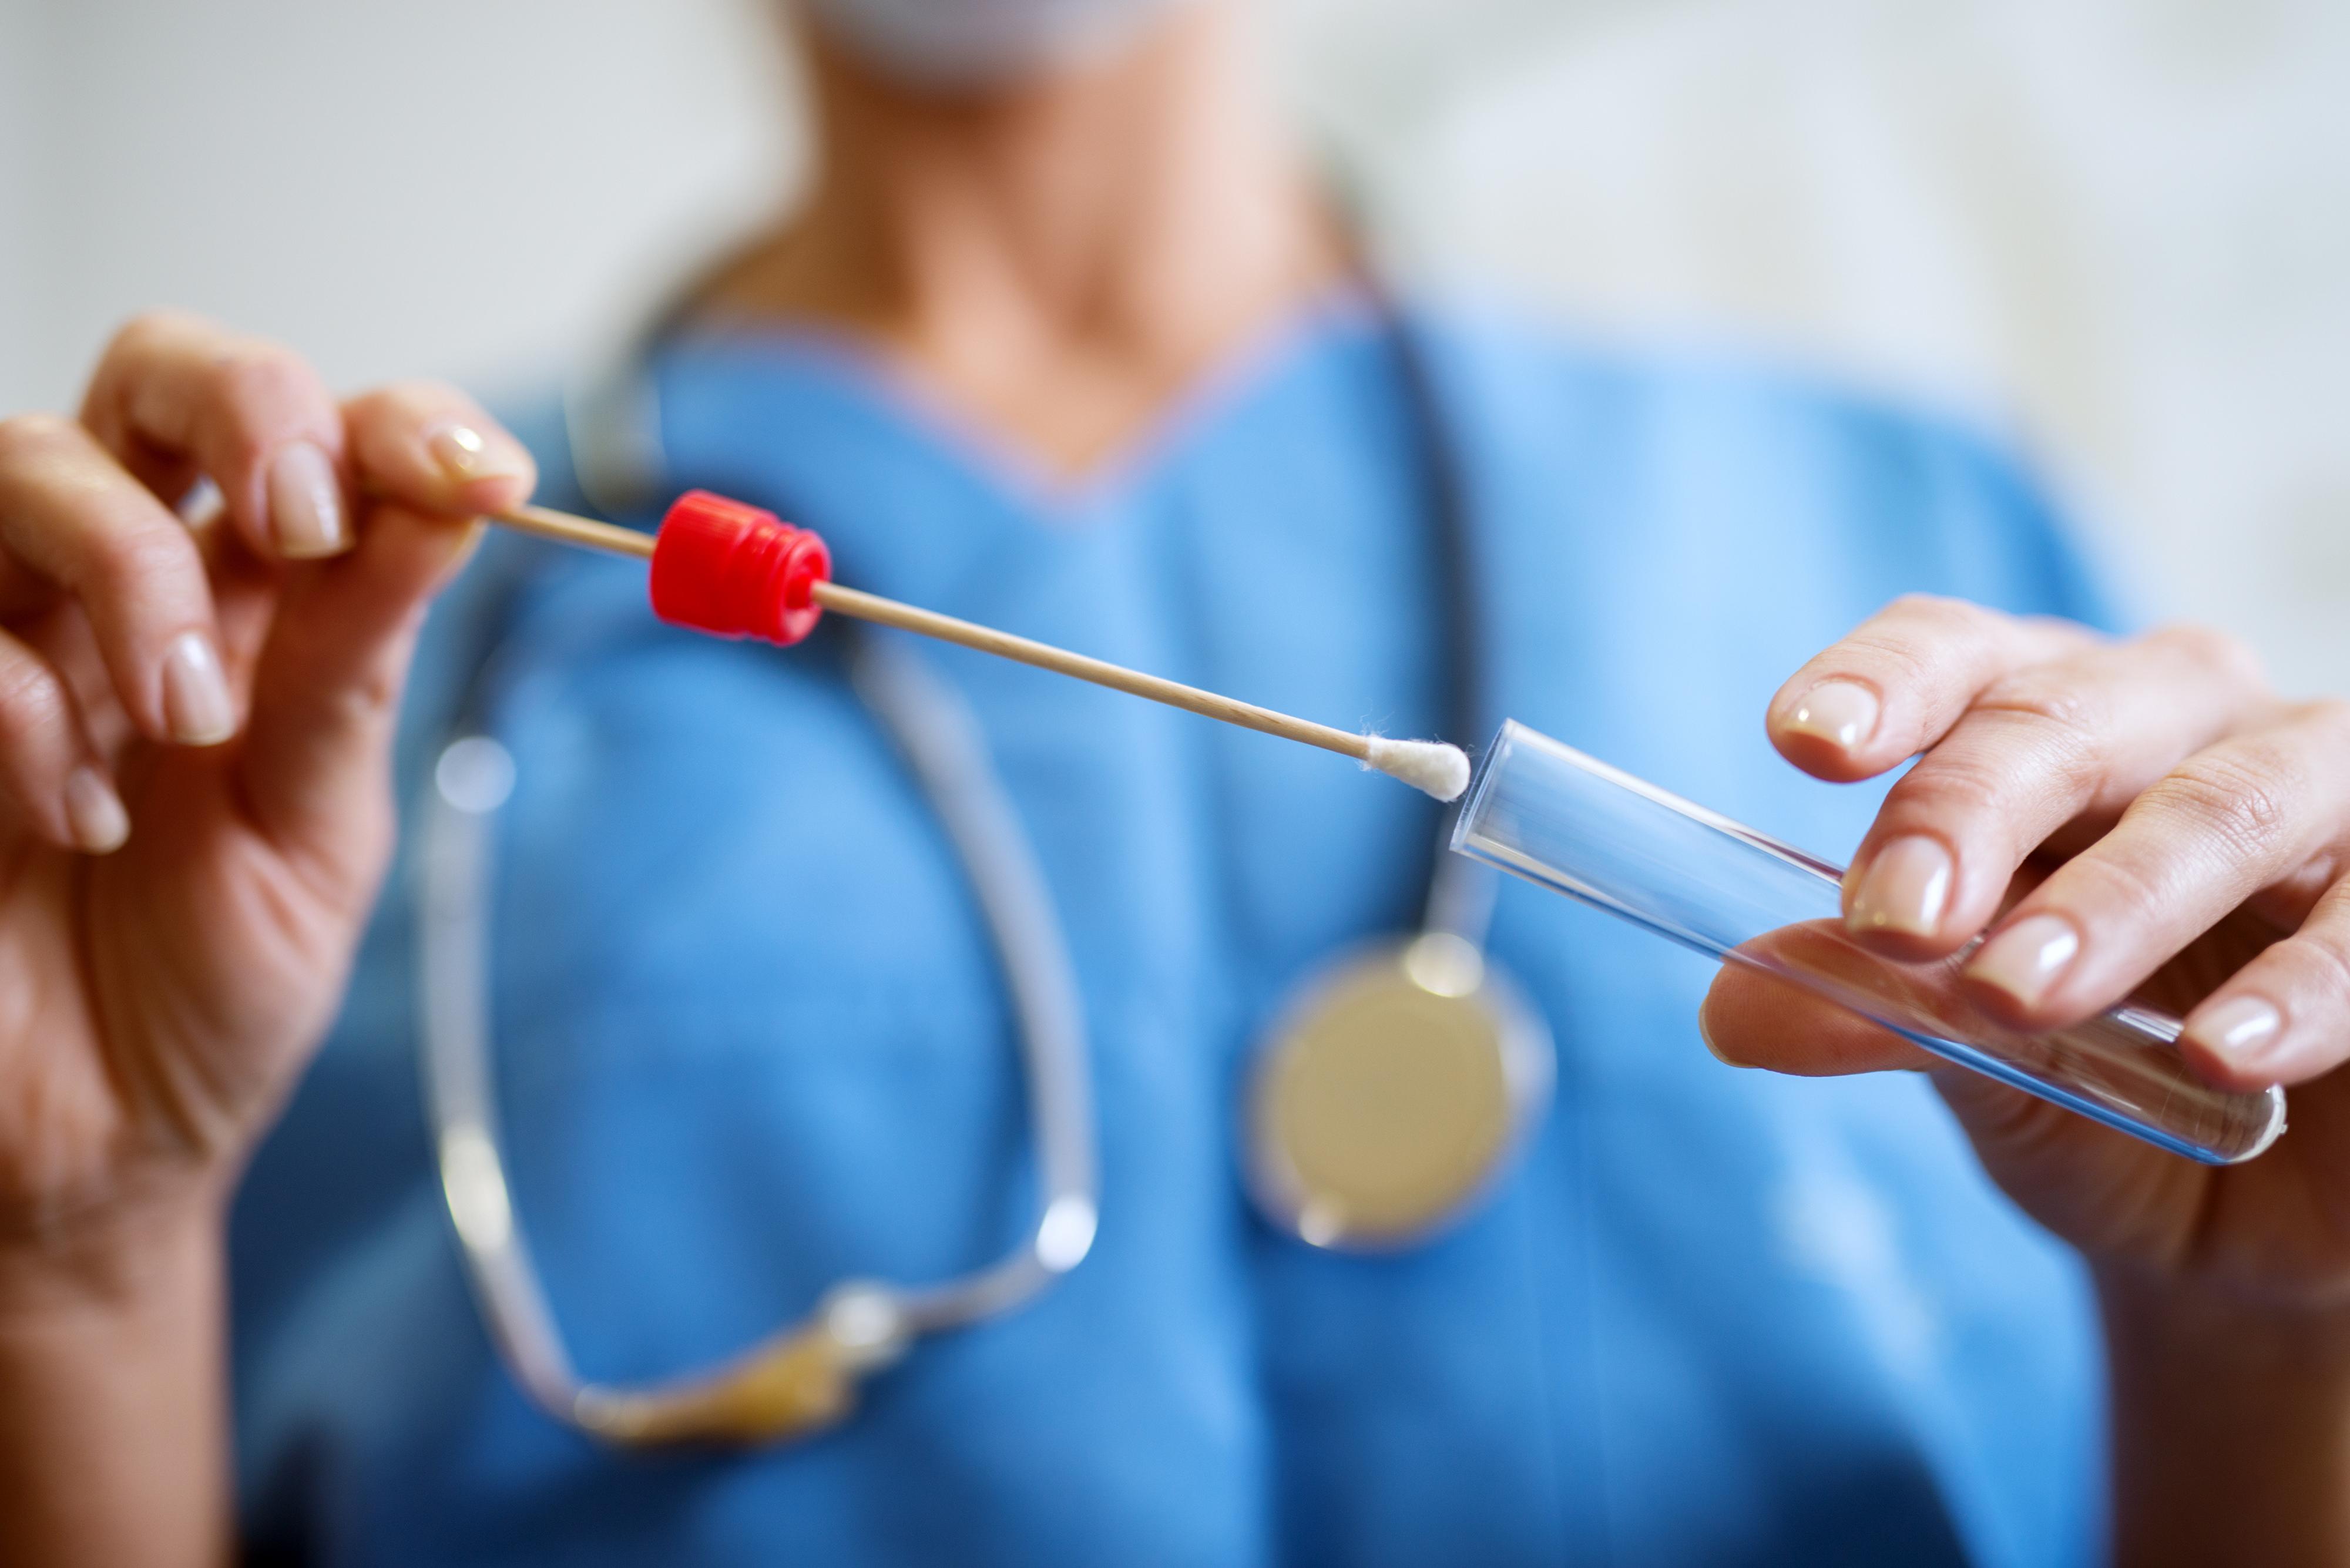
95	812
1838	711
1904	890
2024	960
2243	1028
306	504
465	454
196	702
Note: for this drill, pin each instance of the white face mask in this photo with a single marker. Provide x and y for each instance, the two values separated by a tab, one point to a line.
980	43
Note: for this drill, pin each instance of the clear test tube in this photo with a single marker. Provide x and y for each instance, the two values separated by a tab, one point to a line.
1552	815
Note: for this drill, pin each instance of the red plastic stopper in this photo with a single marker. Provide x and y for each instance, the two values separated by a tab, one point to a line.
732	571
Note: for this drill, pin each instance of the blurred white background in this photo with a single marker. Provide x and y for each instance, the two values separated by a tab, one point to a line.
2118	228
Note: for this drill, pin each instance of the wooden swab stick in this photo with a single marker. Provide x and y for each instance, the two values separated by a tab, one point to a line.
1044	656
565	529
1440	770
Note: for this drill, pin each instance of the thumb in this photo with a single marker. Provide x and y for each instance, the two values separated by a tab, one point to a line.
2088	1184
315	765
1753	1018
326	692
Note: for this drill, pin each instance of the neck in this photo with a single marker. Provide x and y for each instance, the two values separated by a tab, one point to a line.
1056	259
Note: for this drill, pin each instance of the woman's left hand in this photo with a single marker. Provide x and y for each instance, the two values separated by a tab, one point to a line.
2175	833
2185	838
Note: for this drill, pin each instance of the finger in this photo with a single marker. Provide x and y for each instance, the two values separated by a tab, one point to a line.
430	447
2283	1018
2040	746
2230	820
174	391
2032	1148
1898	682
326	691
73	517
48	768
63	639
1751	1018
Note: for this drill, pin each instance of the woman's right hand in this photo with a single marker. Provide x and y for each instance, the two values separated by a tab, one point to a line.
195	724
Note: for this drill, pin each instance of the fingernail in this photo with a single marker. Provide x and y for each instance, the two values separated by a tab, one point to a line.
465	454
306	504
1836	711
196	703
2024	960
2243	1028
1904	890
95	812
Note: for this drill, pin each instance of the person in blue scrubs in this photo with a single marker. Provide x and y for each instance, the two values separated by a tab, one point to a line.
1063	341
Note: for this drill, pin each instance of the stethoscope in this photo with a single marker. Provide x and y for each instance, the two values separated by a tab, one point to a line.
1392	1093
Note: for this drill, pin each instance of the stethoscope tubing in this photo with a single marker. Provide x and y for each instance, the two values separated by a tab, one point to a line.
938	738
614	433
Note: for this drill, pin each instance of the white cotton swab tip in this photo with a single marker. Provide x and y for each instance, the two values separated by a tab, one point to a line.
1429	766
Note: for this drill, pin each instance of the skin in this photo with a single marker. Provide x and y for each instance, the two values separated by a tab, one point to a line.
1051	261
1055	264
160	997
2191	830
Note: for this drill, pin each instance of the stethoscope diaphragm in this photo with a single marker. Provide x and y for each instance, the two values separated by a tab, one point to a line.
1393	1095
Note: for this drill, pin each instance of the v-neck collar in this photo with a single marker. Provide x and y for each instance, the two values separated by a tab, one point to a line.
835	365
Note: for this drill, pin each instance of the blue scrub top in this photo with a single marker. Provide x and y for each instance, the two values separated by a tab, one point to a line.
751	1040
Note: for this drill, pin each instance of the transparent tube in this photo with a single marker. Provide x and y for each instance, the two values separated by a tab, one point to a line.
1552	815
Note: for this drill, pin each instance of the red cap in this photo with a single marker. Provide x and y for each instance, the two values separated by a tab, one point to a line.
732	571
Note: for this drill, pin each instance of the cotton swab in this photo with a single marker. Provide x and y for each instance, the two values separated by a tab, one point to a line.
721	566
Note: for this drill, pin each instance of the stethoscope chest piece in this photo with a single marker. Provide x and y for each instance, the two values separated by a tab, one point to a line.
1393	1096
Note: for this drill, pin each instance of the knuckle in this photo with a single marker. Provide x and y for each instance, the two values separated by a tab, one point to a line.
2057	699
2312	965
418	395
32	704
399	407
374	404
2208	648
373	698
1913	636
1941	787
1994	795
2112	881
151	330
129	565
2329	717
26	439
2057	628
2071	720
1899	657
250	372
2326	949
359	709
1927	607
259	382
1943	614
2240	796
